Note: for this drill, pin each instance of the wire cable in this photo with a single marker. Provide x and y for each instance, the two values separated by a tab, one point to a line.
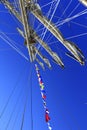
11	94
14	108
23	116
14	48
28	79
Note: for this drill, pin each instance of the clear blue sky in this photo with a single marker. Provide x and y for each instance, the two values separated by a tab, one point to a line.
66	89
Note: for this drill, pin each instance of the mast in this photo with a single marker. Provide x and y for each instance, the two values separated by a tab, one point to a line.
26	27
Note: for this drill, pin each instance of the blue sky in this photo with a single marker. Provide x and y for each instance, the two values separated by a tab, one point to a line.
66	89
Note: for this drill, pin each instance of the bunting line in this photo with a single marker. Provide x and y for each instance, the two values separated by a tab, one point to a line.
43	95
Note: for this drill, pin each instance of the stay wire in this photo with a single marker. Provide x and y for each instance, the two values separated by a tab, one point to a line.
26	100
17	114
79	24
10	40
23	114
48	3
45	30
72	17
14	47
47	16
16	117
76	36
16	21
69	14
74	10
14	108
42	34
65	10
11	94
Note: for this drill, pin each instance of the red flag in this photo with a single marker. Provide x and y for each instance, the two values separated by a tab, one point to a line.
47	118
41	82
43	96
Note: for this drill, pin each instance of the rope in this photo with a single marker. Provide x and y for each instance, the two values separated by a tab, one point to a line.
16	117
73	17
69	14
79	24
65	9
45	30
11	94
16	21
13	111
74	10
51	18
48	3
14	47
79	35
23	116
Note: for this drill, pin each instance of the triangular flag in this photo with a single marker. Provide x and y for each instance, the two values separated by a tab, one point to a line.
47	118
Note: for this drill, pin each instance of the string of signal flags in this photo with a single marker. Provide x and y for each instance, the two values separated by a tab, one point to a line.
43	95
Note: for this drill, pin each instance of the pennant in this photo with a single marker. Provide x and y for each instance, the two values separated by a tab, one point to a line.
40	79
38	74
43	100
43	91
44	96
40	82
37	69
42	86
44	103
48	123
47	118
47	111
50	128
